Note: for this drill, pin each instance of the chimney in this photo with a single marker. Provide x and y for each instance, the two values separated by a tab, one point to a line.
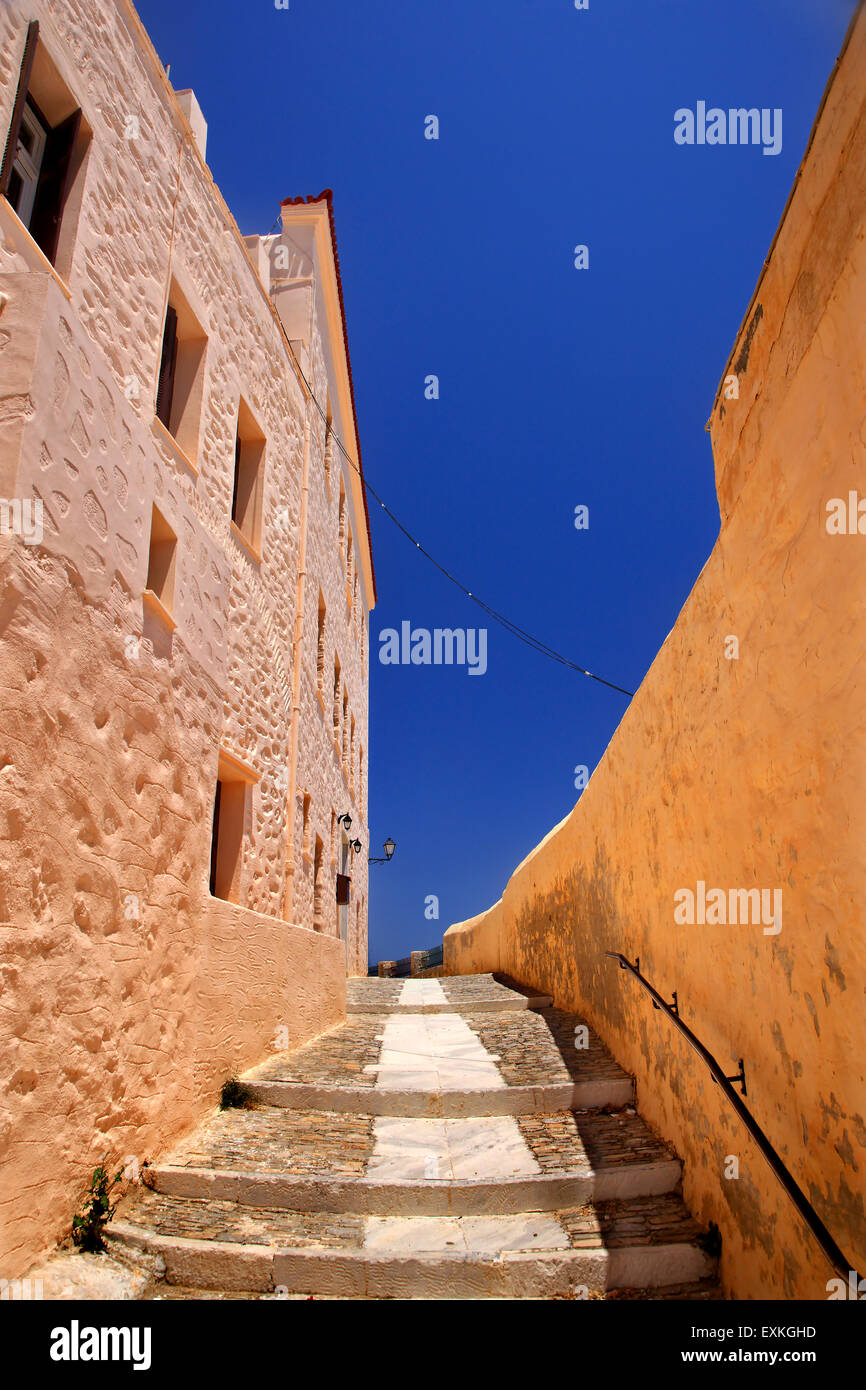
191	109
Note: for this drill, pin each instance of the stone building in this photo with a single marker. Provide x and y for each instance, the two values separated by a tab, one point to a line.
185	582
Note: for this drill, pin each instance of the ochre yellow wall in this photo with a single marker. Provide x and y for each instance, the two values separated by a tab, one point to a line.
747	773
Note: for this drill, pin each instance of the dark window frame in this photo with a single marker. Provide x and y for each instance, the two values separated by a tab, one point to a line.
55	173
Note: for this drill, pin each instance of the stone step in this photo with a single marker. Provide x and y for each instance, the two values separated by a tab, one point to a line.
456	1138
573	1252
468	994
479	1006
495	1063
330	1161
160	1292
698	1290
510	1100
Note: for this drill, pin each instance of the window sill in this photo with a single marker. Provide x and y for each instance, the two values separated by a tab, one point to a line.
160	430
23	243
254	555
156	606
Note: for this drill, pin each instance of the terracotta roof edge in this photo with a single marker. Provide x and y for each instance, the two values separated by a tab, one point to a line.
327	196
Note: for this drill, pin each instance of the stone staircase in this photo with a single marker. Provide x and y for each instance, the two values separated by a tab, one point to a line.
455	1138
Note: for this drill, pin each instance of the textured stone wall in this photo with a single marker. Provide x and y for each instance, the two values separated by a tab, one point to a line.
128	993
744	773
333	788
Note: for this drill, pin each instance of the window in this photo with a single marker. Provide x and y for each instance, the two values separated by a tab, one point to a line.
305	843
180	389
318	886
248	488
214	844
27	164
167	366
228	836
161	562
320	646
231	805
336	699
329	445
342	521
44	163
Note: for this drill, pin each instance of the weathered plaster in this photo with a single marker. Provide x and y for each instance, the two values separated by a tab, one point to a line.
128	993
745	773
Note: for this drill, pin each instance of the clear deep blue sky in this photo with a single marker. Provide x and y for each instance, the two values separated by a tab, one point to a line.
558	387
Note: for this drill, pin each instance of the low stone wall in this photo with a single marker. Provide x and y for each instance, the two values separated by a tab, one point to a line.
199	999
474	947
740	765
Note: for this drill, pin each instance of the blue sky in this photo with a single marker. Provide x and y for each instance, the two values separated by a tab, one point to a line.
558	387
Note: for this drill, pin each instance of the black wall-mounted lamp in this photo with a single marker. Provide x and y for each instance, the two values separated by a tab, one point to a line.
389	848
356	845
345	820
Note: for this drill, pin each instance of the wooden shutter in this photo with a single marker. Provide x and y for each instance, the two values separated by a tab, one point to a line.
53	186
237	478
165	390
344	884
18	109
214	844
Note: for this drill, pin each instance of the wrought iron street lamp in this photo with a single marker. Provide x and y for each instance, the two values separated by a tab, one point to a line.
389	848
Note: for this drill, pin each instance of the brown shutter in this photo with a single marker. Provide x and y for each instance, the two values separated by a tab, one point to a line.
237	478
53	186
344	884
215	834
18	109
165	390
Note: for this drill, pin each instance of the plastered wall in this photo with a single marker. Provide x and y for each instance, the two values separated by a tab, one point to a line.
127	992
745	772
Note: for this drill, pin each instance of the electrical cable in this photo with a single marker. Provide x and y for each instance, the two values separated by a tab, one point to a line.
520	633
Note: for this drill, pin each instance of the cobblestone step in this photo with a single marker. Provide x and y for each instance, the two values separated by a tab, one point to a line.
455	1138
538	1067
696	1291
511	1100
573	1252
325	1161
465	994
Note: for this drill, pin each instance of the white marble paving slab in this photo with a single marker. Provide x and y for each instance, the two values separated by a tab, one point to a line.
537	1230
422	992
409	1148
433	1052
481	1235
491	1147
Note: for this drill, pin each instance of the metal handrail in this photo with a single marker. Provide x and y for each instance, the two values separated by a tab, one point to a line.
804	1207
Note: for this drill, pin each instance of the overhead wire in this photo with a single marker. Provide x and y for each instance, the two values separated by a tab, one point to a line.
520	633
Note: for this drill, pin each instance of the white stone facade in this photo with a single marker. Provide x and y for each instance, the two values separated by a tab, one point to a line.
129	988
